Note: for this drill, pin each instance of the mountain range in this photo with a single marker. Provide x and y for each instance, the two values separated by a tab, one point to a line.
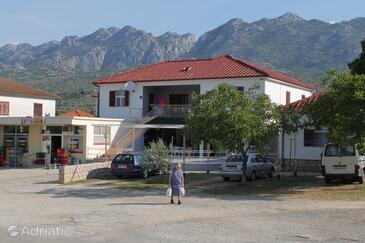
290	44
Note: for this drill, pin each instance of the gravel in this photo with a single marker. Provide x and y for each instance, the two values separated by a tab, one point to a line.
101	213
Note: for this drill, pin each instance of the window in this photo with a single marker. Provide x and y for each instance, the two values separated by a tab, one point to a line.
4	108
119	98
101	135
257	158
17	136
234	158
334	150
54	129
287	100
241	89
314	138
124	159
38	110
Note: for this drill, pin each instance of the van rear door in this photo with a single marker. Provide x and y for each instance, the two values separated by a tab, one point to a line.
339	161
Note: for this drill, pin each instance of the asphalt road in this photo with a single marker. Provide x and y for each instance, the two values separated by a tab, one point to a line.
100	213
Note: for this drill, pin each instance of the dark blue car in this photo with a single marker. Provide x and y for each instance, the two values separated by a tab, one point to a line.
128	164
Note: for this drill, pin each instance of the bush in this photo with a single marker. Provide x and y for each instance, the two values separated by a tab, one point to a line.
156	157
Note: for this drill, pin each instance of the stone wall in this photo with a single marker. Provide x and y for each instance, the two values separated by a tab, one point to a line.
302	165
72	173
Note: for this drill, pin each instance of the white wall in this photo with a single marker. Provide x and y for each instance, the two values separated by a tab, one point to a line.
299	151
21	107
135	108
277	91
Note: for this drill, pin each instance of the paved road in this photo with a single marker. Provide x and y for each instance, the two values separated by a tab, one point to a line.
100	213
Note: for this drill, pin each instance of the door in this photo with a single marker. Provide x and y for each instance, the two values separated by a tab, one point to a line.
151	101
178	99
258	163
56	143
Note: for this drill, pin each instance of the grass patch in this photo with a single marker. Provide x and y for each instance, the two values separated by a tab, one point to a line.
288	187
301	187
263	186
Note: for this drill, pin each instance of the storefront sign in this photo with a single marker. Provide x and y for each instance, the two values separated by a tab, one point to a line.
28	120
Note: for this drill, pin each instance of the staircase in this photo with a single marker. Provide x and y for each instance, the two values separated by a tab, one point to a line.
126	141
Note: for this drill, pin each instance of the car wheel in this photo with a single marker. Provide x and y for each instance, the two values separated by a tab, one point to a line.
328	180
226	178
252	177
144	174
271	173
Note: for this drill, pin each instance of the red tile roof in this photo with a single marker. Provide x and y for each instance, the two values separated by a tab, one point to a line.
220	67
299	104
77	113
12	88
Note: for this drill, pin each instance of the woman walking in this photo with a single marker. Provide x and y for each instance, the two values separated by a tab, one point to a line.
176	182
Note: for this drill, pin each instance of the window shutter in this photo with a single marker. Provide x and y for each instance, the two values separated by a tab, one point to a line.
112	98
6	109
126	98
287	102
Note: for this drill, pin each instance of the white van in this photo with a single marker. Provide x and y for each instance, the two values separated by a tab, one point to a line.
340	162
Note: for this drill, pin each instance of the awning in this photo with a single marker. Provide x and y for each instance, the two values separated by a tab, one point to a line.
155	126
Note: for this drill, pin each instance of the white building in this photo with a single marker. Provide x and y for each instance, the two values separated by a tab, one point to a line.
162	93
306	145
30	133
21	100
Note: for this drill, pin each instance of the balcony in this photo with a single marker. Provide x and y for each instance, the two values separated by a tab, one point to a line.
173	111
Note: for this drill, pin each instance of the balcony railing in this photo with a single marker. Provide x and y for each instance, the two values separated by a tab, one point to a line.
169	110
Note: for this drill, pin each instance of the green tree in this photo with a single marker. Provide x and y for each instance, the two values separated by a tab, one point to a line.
156	157
235	120
340	108
358	65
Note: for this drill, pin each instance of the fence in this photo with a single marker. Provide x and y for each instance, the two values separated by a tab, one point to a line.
198	160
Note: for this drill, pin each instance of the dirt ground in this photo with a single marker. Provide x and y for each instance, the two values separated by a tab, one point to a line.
101	212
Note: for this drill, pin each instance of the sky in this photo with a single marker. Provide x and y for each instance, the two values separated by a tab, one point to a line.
38	21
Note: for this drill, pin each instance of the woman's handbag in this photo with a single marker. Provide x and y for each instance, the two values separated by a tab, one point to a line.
182	192
168	192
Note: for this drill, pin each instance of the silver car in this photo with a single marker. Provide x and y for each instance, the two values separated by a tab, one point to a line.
257	166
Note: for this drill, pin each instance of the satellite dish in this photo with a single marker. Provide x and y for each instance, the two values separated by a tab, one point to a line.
130	86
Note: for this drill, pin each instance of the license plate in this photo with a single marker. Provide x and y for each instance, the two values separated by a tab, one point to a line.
339	167
231	166
122	166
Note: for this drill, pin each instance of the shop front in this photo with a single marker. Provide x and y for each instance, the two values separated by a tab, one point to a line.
51	141
68	139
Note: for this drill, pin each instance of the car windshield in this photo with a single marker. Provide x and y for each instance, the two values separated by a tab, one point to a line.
234	158
138	158
334	150
123	159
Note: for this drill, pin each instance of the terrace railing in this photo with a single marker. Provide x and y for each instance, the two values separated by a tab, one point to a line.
169	110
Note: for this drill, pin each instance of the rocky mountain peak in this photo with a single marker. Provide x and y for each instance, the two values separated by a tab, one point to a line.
289	17
70	41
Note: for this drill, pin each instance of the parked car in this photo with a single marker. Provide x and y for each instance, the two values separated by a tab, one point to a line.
257	166
129	164
344	163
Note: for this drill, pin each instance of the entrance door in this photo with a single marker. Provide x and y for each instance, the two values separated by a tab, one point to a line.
151	100
56	143
178	99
